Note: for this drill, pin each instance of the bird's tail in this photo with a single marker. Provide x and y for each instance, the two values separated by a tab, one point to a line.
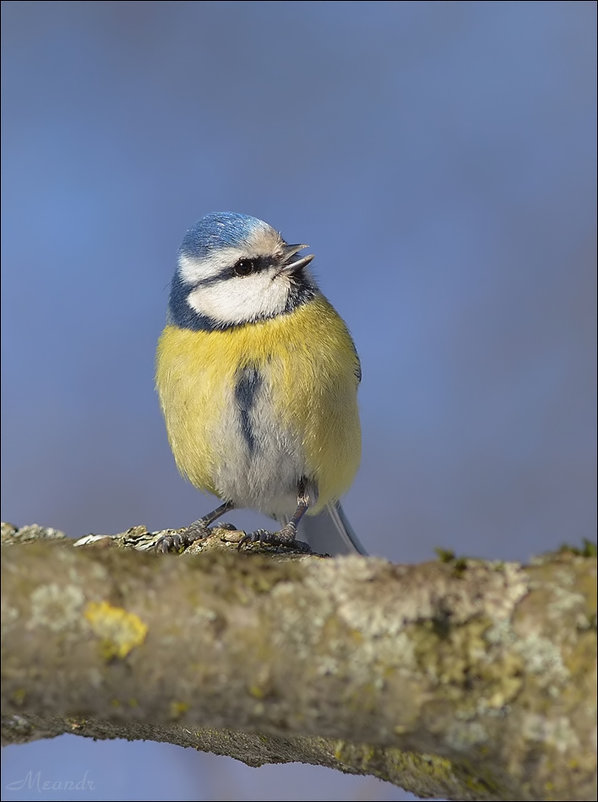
330	532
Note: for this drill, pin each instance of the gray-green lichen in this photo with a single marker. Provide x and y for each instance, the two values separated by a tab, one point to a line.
55	606
473	683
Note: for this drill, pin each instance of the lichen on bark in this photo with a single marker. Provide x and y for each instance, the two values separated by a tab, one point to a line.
456	678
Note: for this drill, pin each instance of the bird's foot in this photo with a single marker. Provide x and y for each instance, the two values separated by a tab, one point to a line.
284	537
226	527
183	539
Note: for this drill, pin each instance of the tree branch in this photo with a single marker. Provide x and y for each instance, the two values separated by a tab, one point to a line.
456	678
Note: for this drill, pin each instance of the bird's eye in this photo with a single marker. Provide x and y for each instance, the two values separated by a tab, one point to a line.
244	267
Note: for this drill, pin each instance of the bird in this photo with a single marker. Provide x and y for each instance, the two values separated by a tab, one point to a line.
257	378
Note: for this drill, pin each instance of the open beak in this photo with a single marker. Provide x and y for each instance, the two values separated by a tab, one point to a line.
288	262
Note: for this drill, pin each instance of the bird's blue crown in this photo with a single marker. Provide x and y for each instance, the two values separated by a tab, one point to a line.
218	230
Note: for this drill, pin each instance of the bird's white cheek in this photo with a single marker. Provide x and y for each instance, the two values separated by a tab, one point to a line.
237	300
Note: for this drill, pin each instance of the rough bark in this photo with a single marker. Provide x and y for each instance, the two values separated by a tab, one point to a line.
457	678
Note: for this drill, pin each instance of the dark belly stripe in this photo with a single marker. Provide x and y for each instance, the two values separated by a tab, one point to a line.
249	381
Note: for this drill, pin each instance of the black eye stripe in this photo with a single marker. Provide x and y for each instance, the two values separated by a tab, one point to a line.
246	267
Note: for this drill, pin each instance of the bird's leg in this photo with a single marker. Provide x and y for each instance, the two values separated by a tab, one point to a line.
287	535
195	531
289	530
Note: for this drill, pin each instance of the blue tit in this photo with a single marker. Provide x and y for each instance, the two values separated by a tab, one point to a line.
257	377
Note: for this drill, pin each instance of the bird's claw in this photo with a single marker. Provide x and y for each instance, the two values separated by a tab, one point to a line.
285	537
182	540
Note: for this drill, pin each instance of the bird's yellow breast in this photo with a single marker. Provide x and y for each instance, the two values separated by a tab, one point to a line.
308	370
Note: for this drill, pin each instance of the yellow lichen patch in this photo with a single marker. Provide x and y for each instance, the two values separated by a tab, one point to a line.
339	750
119	630
178	709
19	695
257	691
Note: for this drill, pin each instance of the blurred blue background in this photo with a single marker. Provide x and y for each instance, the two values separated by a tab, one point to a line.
439	159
